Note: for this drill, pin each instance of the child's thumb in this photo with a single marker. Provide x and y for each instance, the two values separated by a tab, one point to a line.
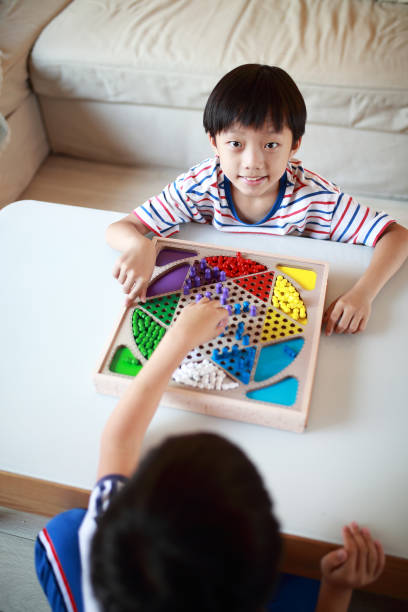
333	560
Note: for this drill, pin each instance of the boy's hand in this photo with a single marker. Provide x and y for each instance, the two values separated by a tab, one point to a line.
134	269
360	562
348	314
198	323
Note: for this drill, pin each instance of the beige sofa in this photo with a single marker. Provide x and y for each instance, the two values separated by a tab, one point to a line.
125	82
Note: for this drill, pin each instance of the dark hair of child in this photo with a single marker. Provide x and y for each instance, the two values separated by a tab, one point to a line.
252	94
193	529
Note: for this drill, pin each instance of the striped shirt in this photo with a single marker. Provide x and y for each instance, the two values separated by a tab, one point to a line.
105	489
307	205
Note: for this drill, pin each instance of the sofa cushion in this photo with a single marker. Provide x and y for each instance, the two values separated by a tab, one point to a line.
20	24
349	57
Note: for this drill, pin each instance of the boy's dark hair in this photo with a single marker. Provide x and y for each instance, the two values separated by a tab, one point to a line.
192	530
252	94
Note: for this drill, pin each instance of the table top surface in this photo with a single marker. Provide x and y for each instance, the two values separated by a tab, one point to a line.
59	306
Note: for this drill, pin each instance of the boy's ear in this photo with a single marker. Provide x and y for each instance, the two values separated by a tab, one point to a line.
213	143
296	147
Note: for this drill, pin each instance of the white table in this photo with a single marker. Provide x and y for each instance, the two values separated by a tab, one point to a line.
58	307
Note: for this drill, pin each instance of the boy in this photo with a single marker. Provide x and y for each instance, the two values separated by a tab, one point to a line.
193	528
255	118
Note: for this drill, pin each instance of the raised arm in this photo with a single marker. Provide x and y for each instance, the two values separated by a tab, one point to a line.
358	563
123	434
350	312
134	267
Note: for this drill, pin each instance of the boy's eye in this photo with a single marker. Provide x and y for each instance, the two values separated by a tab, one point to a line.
271	145
234	144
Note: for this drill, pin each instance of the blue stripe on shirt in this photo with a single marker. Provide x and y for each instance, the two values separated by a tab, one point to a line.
307	196
190	214
160	217
196	184
373	226
349	224
147	212
339	199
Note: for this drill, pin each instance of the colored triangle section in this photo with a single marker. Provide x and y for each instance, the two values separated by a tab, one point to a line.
124	362
277	326
204	375
238	362
167	256
170	281
276	357
305	278
146	332
257	284
163	307
284	392
235	266
287	298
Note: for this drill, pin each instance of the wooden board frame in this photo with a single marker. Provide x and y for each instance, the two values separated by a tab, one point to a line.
212	402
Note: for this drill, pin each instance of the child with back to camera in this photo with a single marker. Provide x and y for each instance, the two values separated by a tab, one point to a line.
255	118
193	528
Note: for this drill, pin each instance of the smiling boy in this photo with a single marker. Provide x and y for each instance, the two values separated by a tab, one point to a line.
255	118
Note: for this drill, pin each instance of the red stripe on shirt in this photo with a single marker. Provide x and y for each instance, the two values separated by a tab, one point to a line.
289	214
359	227
226	215
64	578
204	200
301	185
165	208
302	227
302	210
382	230
202	170
147	225
341	218
319	177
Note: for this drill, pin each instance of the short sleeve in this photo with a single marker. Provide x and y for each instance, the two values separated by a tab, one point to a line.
103	493
186	199
356	223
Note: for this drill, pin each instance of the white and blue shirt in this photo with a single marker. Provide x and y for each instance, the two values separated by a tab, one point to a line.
306	205
105	489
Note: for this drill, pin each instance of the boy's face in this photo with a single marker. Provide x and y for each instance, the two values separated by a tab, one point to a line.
254	161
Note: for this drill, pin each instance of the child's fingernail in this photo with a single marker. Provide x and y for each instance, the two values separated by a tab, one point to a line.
341	555
222	323
354	526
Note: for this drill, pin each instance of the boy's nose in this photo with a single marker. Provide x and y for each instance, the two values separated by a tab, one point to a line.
253	159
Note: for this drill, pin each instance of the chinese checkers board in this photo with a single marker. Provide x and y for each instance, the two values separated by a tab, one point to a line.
261	368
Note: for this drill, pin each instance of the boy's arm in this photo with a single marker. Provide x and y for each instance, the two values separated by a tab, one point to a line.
351	311
124	431
134	267
359	563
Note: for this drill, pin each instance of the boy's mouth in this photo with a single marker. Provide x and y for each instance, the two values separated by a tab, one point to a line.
252	180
